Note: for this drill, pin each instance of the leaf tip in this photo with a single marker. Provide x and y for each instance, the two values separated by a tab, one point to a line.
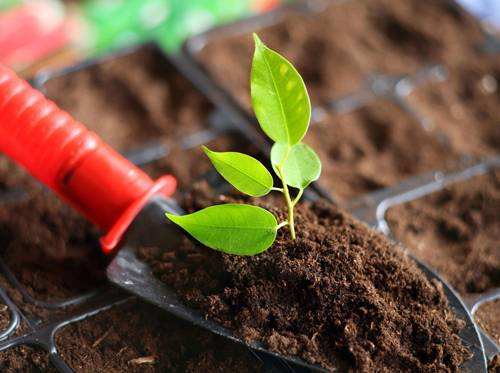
258	42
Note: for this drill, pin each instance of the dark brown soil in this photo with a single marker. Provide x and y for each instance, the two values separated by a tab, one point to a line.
131	100
51	249
11	175
336	49
488	317
456	231
25	359
466	107
340	292
373	147
137	337
4	316
494	364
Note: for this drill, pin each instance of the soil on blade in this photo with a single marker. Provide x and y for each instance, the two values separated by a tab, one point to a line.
339	294
52	250
137	337
456	231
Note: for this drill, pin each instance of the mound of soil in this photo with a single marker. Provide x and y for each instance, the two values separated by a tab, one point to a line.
466	107
339	294
373	147
335	49
53	251
488	317
137	98
456	231
137	337
25	359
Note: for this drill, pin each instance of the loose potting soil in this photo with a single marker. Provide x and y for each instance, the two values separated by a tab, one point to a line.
339	294
51	249
373	147
335	49
488	317
25	359
466	107
137	337
11	175
131	100
4	316
456	231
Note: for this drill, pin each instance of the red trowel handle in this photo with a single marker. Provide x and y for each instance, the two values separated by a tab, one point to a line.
72	161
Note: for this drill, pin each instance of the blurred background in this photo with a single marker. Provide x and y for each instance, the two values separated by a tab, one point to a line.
50	33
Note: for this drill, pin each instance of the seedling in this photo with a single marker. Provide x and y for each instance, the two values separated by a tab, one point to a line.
283	109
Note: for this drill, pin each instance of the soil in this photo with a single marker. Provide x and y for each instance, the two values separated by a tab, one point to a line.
131	100
373	147
188	165
456	231
11	175
137	337
488	317
4	316
340	293
51	249
25	359
466	107
336	49
494	364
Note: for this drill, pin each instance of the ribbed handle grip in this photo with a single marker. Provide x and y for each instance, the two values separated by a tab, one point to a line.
37	134
71	160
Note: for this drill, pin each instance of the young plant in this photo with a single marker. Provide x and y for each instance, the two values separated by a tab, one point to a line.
283	109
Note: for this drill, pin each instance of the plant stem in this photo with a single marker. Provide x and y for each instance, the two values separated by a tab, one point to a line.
297	197
277	189
289	204
282	224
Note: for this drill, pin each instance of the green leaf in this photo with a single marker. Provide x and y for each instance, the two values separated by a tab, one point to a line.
300	165
244	172
231	228
279	96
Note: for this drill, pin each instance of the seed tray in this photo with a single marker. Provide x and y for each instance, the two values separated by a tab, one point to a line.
373	209
345	45
32	203
379	82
